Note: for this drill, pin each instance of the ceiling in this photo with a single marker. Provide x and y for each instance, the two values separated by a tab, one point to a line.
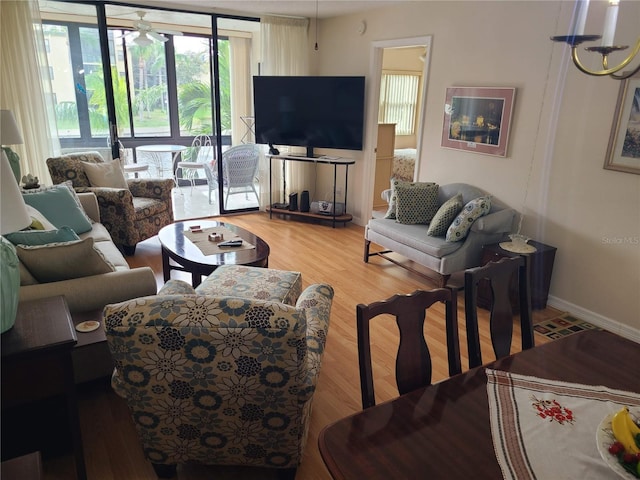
295	8
251	8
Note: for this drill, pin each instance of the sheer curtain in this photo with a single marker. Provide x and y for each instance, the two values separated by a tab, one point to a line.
25	88
241	86
285	51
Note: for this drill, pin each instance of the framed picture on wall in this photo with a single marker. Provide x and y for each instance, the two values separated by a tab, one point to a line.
478	119
623	153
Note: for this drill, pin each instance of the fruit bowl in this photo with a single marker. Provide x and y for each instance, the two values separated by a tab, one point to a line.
604	439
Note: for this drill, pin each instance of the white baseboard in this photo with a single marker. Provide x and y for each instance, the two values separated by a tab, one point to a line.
596	319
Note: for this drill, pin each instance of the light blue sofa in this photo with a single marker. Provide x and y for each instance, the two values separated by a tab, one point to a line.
441	257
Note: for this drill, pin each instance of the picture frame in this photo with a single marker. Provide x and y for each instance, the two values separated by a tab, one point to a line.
623	151
478	119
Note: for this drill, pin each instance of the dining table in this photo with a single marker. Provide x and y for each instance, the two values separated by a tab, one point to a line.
540	413
157	155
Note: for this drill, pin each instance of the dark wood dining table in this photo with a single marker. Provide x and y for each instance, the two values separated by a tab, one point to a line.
443	431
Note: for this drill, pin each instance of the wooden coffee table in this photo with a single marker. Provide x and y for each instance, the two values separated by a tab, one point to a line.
179	253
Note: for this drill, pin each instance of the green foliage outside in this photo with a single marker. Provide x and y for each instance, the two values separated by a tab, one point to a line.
149	96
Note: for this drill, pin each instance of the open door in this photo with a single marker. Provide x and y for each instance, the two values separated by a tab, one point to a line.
399	71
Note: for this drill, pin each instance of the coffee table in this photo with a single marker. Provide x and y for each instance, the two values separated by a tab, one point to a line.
179	253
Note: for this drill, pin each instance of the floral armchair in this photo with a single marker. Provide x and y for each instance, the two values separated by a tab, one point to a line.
130	215
219	380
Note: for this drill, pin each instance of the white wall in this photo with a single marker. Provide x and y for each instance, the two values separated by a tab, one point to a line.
559	135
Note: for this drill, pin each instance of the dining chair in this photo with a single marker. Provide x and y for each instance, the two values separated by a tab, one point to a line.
413	359
201	152
500	276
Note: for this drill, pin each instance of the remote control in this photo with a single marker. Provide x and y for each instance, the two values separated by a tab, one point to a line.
231	243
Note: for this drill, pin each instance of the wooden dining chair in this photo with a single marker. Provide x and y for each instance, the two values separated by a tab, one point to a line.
413	360
500	275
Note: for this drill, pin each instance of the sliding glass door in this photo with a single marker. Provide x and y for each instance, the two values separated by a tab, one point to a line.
154	79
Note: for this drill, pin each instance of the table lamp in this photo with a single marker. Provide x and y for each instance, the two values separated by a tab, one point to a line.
10	135
13	217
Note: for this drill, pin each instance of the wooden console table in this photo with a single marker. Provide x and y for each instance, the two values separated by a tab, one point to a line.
323	160
36	364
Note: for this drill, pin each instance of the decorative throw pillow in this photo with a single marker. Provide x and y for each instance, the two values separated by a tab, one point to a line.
62	261
105	174
42	237
391	211
416	202
60	206
393	200
473	210
444	216
38	221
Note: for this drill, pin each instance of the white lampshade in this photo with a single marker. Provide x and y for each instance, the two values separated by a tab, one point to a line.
9	133
13	211
142	40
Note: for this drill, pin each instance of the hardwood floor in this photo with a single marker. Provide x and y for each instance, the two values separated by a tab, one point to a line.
322	254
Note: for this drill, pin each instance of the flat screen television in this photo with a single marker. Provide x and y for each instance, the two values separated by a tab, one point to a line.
311	112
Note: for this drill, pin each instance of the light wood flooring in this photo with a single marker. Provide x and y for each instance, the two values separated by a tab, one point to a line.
322	254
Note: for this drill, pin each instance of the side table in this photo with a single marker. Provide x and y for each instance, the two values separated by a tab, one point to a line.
37	364
540	270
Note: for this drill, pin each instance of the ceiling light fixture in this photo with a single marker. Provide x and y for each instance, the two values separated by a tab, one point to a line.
576	37
142	40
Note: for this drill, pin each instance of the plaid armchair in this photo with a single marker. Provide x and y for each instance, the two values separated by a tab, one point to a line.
130	215
216	379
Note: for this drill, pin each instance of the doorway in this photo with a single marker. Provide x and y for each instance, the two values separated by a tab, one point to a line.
399	72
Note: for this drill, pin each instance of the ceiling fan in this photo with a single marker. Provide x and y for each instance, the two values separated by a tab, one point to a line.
145	34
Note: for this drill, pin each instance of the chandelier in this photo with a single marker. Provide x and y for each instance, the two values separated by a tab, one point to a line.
577	37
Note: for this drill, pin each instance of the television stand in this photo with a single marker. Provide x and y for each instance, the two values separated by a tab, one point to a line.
322	160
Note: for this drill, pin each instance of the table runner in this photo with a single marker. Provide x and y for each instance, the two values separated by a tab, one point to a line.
207	247
544	429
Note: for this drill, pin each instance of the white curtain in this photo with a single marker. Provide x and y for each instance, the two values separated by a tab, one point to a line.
241	86
285	51
25	88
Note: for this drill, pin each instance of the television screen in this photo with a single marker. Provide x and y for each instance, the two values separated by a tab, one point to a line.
321	112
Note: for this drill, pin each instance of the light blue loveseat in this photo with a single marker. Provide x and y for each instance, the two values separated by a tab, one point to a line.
441	257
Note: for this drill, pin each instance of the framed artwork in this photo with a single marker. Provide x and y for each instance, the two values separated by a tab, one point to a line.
477	119
623	153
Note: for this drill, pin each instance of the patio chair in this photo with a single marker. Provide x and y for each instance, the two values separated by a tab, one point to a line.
239	171
201	152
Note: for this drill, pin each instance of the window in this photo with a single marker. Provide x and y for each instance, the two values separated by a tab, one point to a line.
399	101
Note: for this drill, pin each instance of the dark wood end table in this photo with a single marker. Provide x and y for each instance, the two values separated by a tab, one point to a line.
37	362
179	253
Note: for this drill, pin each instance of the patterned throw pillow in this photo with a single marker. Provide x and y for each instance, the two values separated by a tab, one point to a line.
416	202
393	200
473	210
444	216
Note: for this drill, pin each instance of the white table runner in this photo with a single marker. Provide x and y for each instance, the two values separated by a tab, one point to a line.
543	429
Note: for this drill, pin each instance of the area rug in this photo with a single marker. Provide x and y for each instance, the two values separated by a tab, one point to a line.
561	326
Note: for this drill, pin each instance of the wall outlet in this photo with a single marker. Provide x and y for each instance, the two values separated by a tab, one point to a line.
338	191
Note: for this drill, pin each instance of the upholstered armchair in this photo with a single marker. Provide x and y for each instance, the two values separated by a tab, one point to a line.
129	214
219	380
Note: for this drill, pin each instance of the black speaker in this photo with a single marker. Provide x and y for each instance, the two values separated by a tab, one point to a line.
293	202
305	206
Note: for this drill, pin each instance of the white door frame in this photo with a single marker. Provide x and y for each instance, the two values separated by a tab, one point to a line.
373	97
